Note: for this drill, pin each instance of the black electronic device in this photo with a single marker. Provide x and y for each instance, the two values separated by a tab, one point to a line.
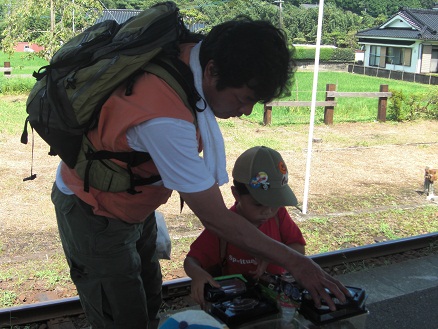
355	305
274	285
238	301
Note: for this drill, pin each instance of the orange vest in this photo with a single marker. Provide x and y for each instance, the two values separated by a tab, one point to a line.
151	98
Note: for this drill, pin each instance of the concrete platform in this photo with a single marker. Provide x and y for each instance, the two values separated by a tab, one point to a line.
400	296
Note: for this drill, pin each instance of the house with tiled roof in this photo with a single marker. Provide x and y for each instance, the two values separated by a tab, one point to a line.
122	15
118	15
407	42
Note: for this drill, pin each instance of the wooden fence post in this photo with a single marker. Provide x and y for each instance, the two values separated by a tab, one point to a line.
267	115
328	111
7	68
381	112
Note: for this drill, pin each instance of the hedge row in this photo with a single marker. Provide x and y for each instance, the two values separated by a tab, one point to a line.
325	54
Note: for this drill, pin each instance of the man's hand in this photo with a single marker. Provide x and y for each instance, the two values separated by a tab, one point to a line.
313	278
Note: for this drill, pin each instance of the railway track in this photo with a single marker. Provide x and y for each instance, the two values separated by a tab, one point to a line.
177	291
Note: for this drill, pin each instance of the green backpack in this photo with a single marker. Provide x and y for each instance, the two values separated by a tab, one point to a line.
65	102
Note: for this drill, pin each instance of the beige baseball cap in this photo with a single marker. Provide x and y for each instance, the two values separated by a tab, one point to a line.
265	174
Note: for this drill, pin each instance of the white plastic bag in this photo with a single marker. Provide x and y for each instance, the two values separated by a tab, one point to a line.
164	245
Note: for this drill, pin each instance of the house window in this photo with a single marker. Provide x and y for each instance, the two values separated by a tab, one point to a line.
374	56
394	55
27	49
434	60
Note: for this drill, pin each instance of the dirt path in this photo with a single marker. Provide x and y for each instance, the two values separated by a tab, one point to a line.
349	162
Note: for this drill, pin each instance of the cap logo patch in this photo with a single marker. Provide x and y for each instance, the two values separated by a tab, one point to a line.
284	180
282	167
260	180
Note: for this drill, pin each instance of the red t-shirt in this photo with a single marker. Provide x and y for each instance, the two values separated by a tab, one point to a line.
206	248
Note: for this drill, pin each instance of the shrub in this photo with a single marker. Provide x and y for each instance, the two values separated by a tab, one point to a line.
14	86
308	53
343	55
325	55
414	106
299	40
304	53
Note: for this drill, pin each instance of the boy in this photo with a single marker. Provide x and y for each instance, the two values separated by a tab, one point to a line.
261	193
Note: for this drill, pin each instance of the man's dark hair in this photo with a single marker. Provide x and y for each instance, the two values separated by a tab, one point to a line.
240	187
252	53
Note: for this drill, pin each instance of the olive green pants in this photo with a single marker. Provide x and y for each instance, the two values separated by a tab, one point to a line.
112	263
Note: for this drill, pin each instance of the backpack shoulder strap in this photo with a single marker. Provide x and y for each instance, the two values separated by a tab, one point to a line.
179	76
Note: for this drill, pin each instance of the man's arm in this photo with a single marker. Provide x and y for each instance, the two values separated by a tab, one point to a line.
210	208
298	247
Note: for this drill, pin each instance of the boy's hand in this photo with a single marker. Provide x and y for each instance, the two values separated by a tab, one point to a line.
197	288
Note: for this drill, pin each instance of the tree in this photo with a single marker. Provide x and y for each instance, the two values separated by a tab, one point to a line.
427	4
47	23
218	12
124	4
4	7
379	20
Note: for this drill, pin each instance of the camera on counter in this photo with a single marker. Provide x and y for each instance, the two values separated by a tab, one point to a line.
238	300
355	305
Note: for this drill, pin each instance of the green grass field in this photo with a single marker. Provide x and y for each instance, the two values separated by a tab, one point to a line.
21	80
347	109
22	63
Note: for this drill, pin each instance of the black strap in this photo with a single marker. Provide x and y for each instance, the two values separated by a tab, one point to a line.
87	176
24	134
24	140
138	181
132	159
42	72
131	81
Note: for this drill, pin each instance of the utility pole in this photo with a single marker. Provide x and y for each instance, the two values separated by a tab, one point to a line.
52	17
73	18
280	2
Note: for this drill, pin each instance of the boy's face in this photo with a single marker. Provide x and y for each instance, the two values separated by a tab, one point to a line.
253	211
